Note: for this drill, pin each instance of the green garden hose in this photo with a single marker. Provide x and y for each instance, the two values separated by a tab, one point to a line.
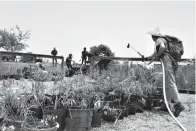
165	99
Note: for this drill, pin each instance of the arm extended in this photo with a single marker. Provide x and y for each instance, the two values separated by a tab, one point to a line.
160	48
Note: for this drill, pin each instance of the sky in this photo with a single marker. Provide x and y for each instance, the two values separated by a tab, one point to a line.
72	25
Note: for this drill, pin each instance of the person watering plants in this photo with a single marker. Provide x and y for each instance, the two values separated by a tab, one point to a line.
170	53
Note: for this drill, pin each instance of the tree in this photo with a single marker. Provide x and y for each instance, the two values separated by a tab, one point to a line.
97	50
14	39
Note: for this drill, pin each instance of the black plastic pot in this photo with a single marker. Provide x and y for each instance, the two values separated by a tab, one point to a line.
156	102
71	124
136	100
16	123
53	128
149	103
131	108
61	115
140	107
107	116
96	119
126	111
119	107
37	112
82	116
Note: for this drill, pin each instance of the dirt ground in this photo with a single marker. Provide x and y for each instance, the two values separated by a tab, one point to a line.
155	121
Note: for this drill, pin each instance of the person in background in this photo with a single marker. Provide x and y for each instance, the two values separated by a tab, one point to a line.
161	51
68	61
84	56
54	53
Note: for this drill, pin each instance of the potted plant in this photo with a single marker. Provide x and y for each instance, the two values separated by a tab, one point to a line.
110	114
37	118
97	103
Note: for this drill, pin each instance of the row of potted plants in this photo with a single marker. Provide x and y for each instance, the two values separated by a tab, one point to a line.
78	101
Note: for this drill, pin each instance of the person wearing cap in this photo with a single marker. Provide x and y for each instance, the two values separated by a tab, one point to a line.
68	61
170	72
54	53
84	55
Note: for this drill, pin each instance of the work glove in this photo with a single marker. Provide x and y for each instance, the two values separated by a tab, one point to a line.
144	58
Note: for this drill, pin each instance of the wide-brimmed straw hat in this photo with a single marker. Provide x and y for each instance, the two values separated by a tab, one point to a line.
155	32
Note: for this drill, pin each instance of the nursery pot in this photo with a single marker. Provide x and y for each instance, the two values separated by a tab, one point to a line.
108	116
84	117
156	102
54	128
140	105
131	105
16	123
71	124
96	119
135	104
60	116
37	112
149	103
123	109
131	108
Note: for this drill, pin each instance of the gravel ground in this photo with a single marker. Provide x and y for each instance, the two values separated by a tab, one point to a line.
155	121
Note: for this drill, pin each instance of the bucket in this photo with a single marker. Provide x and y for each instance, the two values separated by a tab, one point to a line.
84	117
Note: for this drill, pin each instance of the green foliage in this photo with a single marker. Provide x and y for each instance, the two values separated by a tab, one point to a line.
97	50
14	39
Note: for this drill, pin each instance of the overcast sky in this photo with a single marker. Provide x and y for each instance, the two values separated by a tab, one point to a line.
71	26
